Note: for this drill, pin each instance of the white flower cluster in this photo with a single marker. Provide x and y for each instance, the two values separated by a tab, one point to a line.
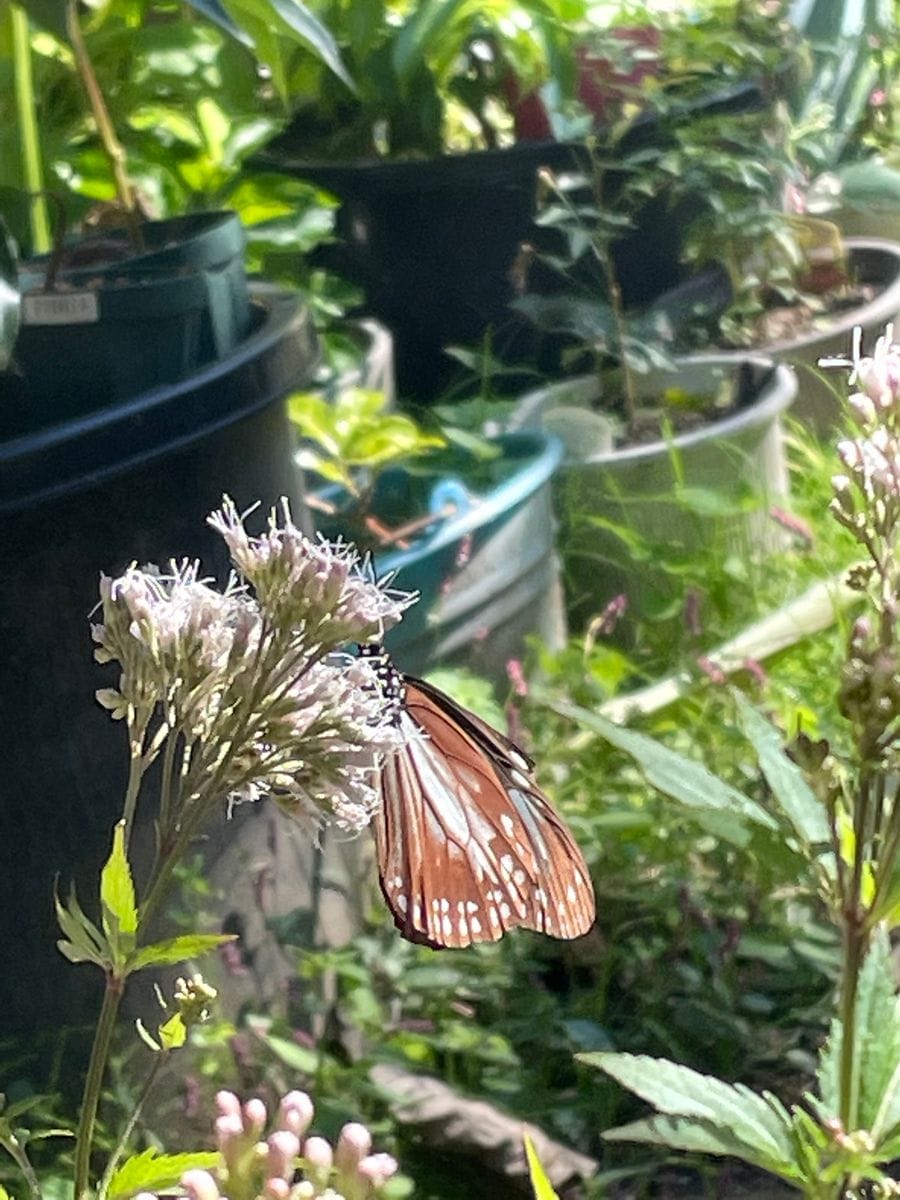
252	679
872	460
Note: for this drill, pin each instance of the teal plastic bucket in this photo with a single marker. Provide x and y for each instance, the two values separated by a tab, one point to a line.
487	575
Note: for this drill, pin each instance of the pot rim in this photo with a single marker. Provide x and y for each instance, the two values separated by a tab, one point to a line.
777	393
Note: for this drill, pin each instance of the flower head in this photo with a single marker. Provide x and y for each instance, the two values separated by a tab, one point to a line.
250	678
319	586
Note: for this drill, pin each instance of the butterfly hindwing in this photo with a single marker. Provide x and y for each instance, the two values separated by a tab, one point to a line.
468	846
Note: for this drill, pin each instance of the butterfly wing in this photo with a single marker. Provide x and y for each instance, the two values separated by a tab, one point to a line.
468	846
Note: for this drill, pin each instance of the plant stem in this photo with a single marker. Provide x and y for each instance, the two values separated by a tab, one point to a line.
112	147
32	169
854	941
93	1083
17	1152
119	1149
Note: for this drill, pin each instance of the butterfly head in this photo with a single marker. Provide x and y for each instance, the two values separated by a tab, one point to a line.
389	678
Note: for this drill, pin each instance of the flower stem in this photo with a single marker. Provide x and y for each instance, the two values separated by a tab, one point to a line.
133	1119
17	1152
112	147
90	1101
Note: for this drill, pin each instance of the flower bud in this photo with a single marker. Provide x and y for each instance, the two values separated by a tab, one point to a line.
228	1104
378	1169
319	1159
283	1148
295	1113
276	1189
229	1129
200	1185
354	1143
255	1114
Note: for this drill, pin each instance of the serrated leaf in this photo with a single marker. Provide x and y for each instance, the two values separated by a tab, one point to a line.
117	889
151	1171
83	941
540	1184
683	779
876	1099
758	1122
683	1133
175	950
795	797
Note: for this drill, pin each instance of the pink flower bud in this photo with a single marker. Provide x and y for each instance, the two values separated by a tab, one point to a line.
283	1148
354	1143
317	1152
378	1169
295	1112
229	1129
276	1189
863	408
200	1185
255	1114
319	1158
228	1104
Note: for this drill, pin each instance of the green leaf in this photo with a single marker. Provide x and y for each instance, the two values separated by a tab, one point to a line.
151	1171
173	1032
688	782
299	1058
291	18
795	797
421	33
684	1133
117	889
175	950
83	941
757	1122
876	1058
540	1184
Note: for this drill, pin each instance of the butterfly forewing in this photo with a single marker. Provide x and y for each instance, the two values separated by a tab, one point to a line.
468	846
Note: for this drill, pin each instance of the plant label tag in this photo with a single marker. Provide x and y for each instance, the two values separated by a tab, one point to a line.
60	308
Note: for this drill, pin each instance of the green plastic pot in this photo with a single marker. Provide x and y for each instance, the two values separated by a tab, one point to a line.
109	330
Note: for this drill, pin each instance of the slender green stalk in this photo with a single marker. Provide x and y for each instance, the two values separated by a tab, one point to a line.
122	1143
29	138
112	147
93	1084
18	1153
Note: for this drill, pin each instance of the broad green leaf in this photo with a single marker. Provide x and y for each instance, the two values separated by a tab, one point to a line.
757	1121
117	889
540	1184
151	1171
795	797
175	950
688	782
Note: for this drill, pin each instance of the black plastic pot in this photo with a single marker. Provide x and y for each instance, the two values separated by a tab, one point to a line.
434	243
134	481
113	324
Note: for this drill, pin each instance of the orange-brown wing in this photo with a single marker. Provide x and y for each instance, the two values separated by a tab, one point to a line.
468	845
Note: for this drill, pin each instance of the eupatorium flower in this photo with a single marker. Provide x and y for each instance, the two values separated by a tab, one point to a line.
252	679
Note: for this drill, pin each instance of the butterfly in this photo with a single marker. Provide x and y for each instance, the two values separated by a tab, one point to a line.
468	846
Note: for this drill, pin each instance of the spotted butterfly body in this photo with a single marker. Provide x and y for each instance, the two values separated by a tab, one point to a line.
468	846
